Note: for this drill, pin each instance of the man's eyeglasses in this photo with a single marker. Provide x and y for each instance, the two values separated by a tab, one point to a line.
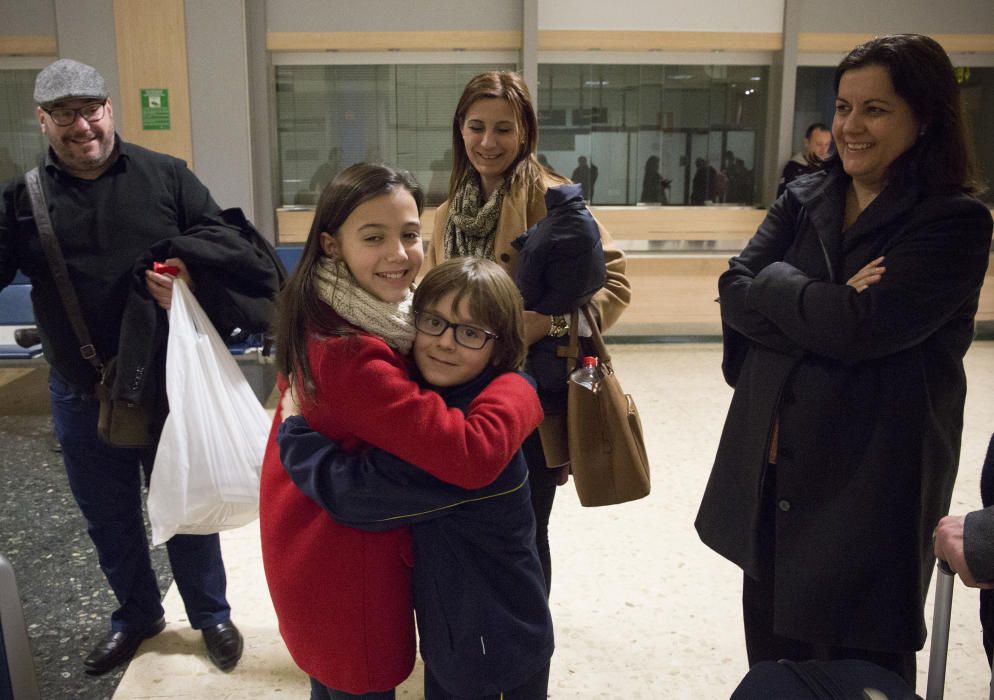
468	336
64	116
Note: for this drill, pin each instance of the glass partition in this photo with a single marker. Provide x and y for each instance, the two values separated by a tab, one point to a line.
655	134
21	141
331	116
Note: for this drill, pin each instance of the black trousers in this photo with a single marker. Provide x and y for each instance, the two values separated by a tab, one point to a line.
107	485
323	692
987	621
542	482
535	688
763	644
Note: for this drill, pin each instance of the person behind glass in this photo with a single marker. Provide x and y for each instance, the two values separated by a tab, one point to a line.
817	149
846	319
110	202
654	185
704	186
325	172
8	168
496	192
343	596
479	593
966	544
585	175
739	178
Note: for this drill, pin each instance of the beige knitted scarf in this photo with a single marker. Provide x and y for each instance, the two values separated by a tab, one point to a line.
394	323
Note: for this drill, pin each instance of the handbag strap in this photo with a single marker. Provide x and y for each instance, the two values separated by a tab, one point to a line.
596	339
572	350
57	264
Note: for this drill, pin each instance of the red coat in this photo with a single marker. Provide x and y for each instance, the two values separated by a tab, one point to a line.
343	596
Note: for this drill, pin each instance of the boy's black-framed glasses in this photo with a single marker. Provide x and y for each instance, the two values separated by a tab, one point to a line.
468	336
65	116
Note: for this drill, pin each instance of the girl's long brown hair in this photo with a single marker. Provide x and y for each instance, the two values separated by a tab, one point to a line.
301	312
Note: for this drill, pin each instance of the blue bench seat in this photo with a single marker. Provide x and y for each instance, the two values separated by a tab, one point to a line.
16	312
290	255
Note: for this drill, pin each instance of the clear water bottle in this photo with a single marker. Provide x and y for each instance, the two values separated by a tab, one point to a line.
586	374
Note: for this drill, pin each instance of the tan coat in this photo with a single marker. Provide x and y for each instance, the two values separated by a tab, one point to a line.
522	208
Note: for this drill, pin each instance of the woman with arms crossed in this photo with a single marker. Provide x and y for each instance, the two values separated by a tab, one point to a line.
846	320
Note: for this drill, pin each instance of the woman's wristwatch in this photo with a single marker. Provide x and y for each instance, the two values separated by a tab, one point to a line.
560	326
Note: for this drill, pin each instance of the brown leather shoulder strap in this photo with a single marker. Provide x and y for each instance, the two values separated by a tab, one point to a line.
57	264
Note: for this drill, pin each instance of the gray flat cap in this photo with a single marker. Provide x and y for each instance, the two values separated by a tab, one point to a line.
67	78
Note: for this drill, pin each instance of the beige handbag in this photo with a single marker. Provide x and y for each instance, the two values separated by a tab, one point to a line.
606	448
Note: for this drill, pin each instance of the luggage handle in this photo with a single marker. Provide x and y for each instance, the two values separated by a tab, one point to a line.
940	632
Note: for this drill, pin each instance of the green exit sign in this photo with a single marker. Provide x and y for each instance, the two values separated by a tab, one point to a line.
155	109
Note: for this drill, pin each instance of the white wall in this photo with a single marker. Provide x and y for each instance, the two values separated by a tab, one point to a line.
898	16
219	100
27	18
85	32
392	15
663	15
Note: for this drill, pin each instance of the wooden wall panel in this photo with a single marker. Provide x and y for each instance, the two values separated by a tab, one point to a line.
719	223
151	53
673	295
28	46
722	223
813	42
548	40
587	40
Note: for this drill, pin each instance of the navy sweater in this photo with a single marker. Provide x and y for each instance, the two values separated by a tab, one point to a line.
560	266
479	593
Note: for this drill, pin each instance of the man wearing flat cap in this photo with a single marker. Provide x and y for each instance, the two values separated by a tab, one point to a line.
110	202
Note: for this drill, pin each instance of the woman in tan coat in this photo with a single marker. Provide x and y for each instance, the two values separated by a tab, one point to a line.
496	192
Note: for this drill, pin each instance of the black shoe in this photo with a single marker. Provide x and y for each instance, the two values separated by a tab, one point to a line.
117	647
224	644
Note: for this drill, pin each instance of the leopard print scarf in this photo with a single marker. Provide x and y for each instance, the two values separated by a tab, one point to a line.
471	229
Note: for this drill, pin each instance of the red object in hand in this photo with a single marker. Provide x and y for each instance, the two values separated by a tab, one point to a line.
164	269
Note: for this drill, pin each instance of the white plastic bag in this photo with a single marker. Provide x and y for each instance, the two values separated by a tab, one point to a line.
206	473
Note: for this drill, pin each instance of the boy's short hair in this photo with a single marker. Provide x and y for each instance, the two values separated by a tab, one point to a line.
492	298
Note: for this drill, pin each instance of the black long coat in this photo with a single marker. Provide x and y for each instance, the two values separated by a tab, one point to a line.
868	389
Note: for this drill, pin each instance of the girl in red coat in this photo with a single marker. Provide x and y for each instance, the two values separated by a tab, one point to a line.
343	596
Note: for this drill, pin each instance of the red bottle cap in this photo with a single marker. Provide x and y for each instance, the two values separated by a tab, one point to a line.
589	361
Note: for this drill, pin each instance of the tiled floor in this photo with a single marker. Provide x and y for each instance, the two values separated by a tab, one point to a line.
642	608
65	598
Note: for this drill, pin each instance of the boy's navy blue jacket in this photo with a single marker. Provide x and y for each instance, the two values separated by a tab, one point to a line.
479	592
560	266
